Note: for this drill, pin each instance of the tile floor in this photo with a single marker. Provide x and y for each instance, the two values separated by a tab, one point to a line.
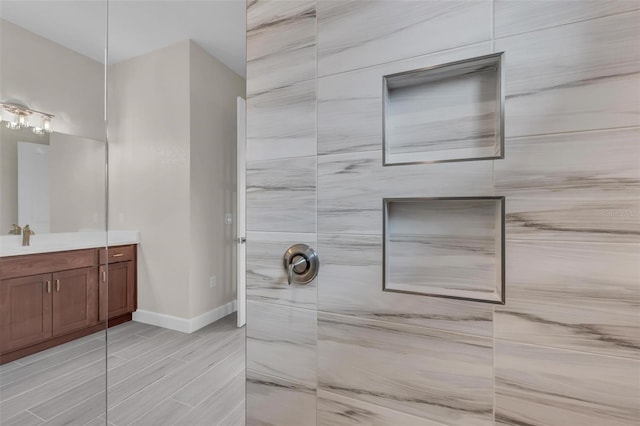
155	377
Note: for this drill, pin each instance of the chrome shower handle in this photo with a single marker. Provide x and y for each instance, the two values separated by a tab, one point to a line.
292	267
296	256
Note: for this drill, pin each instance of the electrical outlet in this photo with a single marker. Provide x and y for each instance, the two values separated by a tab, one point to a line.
212	281
228	218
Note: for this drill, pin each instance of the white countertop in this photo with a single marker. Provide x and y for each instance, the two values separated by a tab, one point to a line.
11	245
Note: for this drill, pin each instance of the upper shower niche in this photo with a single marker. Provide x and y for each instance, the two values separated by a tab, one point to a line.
450	112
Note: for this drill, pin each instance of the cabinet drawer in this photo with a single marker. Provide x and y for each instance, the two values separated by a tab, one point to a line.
117	254
34	264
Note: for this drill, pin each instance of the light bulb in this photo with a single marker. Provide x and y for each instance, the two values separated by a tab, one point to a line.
22	121
46	124
13	123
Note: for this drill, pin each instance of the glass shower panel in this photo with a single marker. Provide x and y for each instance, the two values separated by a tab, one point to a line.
52	211
175	71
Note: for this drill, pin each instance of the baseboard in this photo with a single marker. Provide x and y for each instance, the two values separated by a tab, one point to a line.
184	325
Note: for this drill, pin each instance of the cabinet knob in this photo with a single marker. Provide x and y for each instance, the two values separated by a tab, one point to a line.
48	286
118	255
57	285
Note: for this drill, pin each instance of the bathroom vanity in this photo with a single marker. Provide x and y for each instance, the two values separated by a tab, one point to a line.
52	297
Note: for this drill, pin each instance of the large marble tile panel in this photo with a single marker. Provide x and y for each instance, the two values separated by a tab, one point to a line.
281	41
281	195
356	34
597	165
281	123
581	296
351	187
572	220
580	76
266	276
520	16
448	247
538	386
281	342
350	283
276	402
444	377
338	410
350	104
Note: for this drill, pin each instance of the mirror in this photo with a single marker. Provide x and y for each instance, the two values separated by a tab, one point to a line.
52	179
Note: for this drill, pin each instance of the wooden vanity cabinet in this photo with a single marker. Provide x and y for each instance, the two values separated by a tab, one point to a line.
52	298
25	311
74	301
119	297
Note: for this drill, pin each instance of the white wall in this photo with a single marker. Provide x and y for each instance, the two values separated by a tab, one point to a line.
48	77
149	171
214	89
172	136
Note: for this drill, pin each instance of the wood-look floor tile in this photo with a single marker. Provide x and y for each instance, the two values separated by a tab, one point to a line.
167	412
23	419
218	406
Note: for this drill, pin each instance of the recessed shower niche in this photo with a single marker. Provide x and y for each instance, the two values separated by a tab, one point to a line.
445	247
449	112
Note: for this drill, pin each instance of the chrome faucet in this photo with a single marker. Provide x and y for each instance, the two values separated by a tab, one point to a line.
26	235
15	230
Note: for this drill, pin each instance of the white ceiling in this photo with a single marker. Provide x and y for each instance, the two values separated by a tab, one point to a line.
136	26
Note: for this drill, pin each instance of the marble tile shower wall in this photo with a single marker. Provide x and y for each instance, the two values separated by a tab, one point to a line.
565	348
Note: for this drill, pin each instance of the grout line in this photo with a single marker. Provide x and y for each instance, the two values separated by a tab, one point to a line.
271	160
317	280
35	415
293	382
567	23
315	310
362	401
555	348
180	402
571	242
572	132
424	54
422	327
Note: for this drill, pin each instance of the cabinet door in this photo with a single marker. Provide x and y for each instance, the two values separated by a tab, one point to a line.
25	311
117	298
75	300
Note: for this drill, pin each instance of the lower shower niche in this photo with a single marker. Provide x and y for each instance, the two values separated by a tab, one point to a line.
445	247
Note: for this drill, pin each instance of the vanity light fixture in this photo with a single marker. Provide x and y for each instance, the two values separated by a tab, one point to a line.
21	116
